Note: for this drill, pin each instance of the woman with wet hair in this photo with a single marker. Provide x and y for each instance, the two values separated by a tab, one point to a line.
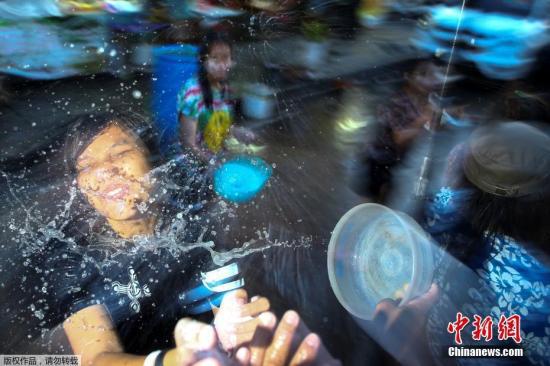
400	122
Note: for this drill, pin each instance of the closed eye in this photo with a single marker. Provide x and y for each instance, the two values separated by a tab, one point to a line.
119	151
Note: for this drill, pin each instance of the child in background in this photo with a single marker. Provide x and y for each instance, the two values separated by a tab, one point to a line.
205	108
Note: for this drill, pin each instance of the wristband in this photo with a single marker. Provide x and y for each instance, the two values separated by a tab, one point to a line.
159	361
222	273
205	305
211	289
151	358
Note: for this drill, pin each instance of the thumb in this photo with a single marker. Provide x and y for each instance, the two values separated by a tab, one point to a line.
423	303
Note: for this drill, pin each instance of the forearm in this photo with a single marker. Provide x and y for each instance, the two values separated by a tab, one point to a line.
188	136
93	336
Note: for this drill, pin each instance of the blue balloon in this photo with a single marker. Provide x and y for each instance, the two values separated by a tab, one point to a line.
239	180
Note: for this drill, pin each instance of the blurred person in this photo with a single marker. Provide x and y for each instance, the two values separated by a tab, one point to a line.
493	214
399	122
205	107
206	113
497	174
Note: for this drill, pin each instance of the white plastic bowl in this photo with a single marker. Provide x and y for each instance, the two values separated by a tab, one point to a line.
376	253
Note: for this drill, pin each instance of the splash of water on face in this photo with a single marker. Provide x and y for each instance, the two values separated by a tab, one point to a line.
40	214
35	231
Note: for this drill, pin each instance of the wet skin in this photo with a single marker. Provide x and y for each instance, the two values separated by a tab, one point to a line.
113	174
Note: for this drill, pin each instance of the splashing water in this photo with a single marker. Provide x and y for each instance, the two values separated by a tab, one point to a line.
37	228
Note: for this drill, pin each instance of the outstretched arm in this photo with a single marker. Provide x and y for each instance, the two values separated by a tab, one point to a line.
92	335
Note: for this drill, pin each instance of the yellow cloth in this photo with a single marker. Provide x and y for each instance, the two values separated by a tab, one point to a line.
216	130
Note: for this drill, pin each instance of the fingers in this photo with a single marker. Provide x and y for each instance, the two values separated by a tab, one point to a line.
301	332
234	298
246	327
242	356
236	320
273	345
399	329
385	310
424	303
307	351
194	335
388	313
237	302
262	338
279	350
255	308
196	345
234	335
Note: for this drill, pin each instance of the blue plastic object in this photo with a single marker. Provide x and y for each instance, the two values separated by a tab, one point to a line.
214	285
239	180
172	66
501	43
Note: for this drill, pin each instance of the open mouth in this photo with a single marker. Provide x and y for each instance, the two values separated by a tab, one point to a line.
115	192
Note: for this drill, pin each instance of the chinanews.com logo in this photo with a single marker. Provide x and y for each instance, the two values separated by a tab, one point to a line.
508	329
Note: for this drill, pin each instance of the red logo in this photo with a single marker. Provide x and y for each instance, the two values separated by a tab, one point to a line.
482	328
508	328
457	326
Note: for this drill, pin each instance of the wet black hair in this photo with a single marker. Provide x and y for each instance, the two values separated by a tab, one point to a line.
210	39
85	128
526	218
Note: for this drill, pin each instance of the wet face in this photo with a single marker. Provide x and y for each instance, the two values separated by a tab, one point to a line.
218	62
113	173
